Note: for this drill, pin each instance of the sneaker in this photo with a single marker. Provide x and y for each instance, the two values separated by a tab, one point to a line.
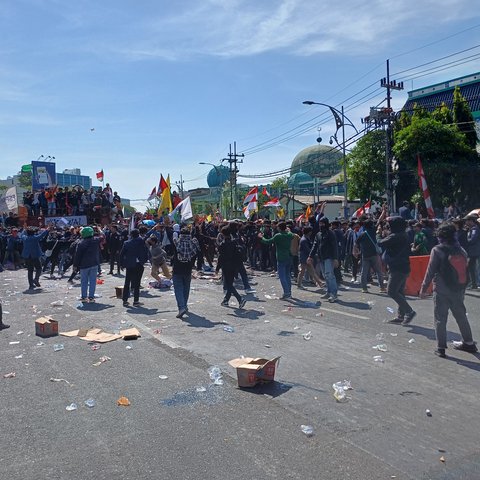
472	348
242	303
181	313
110	273
396	320
440	352
300	287
332	298
37	283
224	303
91	300
364	290
285	296
409	317
137	304
84	300
3	326
250	290
325	296
126	304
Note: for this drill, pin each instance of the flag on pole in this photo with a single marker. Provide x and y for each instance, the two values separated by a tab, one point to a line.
424	188
162	185
362	210
166	198
265	192
153	194
274	202
182	212
251	196
249	209
100	175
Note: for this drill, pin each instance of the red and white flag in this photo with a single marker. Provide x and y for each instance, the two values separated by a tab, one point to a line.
153	194
424	188
265	192
251	196
100	175
362	210
274	202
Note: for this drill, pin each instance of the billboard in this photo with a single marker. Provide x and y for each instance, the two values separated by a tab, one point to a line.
9	200
43	175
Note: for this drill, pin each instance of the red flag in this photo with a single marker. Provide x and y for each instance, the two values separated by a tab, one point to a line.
274	202
424	188
162	185
251	196
265	192
153	194
100	175
365	209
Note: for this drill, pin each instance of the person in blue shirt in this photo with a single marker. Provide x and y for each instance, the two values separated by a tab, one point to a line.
32	251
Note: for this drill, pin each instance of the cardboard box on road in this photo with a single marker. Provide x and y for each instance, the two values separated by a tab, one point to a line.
46	327
251	371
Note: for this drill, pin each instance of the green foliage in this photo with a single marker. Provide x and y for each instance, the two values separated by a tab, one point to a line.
279	185
443	114
463	118
448	161
25	180
366	166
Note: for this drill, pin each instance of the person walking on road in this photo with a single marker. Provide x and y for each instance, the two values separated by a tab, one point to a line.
87	260
132	257
396	255
473	248
158	258
229	260
282	241
305	246
326	247
448	270
32	251
185	251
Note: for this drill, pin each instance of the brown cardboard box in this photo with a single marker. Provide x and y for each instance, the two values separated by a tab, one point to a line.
251	371
46	327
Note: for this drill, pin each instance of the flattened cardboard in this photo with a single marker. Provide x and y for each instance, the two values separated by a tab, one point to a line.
46	327
92	335
130	333
251	371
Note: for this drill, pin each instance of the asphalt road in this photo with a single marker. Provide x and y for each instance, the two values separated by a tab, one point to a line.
173	431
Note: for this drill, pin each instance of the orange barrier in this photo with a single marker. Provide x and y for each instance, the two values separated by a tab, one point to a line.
418	267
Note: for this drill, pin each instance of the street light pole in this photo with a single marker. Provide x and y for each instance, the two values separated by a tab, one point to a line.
339	116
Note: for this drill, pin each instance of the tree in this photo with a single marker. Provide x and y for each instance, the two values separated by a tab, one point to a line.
463	118
279	185
25	179
449	163
366	166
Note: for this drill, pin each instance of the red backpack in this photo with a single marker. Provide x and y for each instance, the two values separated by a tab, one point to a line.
454	268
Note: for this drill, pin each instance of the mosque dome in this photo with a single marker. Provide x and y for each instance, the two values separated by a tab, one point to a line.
298	179
217	176
317	161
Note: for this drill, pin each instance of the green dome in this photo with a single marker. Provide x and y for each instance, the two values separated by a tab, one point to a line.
318	161
299	178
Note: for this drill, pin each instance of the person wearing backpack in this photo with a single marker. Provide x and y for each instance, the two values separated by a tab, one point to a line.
448	270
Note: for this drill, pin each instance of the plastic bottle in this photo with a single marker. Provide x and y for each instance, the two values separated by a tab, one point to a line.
307	430
90	403
229	329
71	407
57	347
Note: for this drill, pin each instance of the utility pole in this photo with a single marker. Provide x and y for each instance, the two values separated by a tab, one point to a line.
389	85
233	159
179	184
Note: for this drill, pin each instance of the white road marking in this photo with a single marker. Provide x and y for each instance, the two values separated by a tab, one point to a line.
354	315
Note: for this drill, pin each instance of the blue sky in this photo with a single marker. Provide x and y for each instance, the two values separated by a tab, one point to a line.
168	84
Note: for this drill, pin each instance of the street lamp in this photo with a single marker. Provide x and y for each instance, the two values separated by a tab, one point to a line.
219	173
340	118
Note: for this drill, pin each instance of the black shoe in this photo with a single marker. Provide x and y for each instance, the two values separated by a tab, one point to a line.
181	313
440	352
3	326
126	304
136	304
465	347
224	303
396	320
110	273
36	283
409	317
242	303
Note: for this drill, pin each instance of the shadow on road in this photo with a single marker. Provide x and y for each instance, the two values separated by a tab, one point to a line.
142	311
357	305
95	307
467	363
272	389
430	333
247	313
198	321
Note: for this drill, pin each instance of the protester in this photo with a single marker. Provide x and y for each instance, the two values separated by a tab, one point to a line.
132	257
282	241
185	250
305	247
447	268
114	245
158	258
420	243
325	246
87	261
229	260
31	253
473	248
396	256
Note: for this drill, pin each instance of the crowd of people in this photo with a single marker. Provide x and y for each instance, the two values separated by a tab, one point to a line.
372	249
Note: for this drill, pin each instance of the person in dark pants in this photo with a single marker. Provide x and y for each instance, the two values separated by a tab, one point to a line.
114	245
473	248
229	260
133	255
185	250
31	253
448	291
396	256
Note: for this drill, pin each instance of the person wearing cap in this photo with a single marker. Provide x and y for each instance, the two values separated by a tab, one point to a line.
87	260
473	248
396	255
31	252
445	295
326	247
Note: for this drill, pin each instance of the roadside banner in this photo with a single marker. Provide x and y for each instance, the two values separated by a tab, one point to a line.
70	221
43	175
9	200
